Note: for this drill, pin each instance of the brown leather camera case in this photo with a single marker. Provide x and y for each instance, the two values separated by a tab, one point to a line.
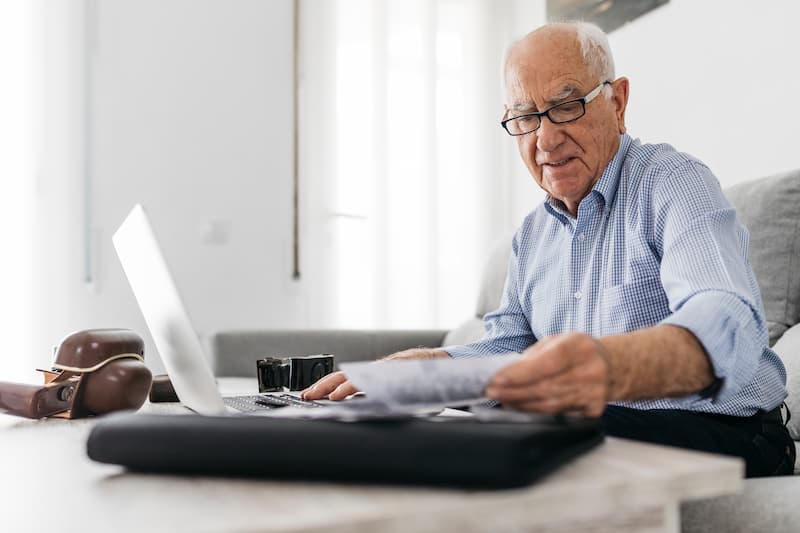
95	372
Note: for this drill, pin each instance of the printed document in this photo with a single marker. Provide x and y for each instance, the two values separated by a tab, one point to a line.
445	381
409	387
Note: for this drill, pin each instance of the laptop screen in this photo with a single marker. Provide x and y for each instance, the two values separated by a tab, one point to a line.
165	315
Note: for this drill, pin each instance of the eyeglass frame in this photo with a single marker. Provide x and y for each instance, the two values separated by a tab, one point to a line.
546	113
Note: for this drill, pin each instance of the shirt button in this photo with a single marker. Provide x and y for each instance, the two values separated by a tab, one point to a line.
582	237
577	295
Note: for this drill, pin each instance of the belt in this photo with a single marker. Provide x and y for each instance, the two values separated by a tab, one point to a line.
771	416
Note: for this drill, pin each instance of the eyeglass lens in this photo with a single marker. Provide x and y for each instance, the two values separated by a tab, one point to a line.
560	113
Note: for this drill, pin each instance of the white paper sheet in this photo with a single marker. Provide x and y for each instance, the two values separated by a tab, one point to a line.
444	382
408	388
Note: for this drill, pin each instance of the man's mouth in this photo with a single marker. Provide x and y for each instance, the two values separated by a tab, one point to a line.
559	163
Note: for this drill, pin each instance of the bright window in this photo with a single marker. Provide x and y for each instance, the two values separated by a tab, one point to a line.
16	184
414	151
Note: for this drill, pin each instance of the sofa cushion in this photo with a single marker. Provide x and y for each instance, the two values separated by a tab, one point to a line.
234	353
493	281
770	209
469	331
788	348
494	277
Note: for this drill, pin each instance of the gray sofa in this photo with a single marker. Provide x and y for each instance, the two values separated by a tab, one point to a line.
769	207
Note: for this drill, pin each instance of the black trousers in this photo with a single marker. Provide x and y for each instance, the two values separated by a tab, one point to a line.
761	440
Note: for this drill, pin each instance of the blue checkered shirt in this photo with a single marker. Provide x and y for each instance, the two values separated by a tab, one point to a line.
655	242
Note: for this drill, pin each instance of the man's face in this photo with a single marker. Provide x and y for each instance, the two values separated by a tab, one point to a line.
566	160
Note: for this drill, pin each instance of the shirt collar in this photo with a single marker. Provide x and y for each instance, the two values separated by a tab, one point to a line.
609	181
606	186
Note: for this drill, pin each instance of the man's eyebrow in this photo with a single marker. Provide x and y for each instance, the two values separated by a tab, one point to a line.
522	108
565	93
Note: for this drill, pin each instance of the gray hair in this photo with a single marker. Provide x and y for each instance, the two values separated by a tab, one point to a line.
595	49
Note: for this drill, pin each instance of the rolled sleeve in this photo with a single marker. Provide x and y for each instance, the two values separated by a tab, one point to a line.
728	329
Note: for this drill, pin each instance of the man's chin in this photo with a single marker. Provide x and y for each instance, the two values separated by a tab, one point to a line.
566	190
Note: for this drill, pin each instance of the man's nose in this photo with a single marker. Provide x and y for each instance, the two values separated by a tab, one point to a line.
549	136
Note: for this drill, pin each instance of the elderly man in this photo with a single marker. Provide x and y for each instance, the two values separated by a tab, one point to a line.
628	290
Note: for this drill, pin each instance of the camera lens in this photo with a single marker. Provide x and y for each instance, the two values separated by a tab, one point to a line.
272	375
317	371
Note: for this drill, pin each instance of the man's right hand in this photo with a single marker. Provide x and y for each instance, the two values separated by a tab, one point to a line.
337	387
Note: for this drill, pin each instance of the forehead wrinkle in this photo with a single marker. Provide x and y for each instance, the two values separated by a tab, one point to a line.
529	106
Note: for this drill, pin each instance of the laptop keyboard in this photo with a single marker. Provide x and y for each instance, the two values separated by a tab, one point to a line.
267	401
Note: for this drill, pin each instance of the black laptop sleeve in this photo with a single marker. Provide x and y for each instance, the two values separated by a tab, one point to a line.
455	451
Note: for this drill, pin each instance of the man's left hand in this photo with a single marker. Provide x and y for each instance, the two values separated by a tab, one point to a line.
562	373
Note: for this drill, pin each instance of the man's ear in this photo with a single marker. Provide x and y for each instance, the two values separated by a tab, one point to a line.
620	86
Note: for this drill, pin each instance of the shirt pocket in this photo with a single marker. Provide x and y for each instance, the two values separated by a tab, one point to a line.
632	306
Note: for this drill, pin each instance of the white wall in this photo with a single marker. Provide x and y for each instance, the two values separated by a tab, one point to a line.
17	88
189	112
707	77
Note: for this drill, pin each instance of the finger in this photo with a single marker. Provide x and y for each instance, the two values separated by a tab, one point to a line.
552	407
343	391
542	343
531	369
559	387
547	406
588	401
594	410
324	386
399	356
574	382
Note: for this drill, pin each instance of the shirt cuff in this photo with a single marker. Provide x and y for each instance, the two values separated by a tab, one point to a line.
458	352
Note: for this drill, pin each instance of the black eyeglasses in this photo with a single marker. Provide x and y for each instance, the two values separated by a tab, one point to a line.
558	114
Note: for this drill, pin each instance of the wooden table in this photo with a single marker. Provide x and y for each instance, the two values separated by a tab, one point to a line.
48	484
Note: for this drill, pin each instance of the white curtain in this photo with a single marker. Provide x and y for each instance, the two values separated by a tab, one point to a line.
16	184
403	162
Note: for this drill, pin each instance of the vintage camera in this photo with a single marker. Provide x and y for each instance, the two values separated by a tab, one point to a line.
293	373
95	371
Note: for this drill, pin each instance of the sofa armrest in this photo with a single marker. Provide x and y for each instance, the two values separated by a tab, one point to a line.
234	353
788	348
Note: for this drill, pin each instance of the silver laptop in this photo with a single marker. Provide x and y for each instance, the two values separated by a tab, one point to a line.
172	331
